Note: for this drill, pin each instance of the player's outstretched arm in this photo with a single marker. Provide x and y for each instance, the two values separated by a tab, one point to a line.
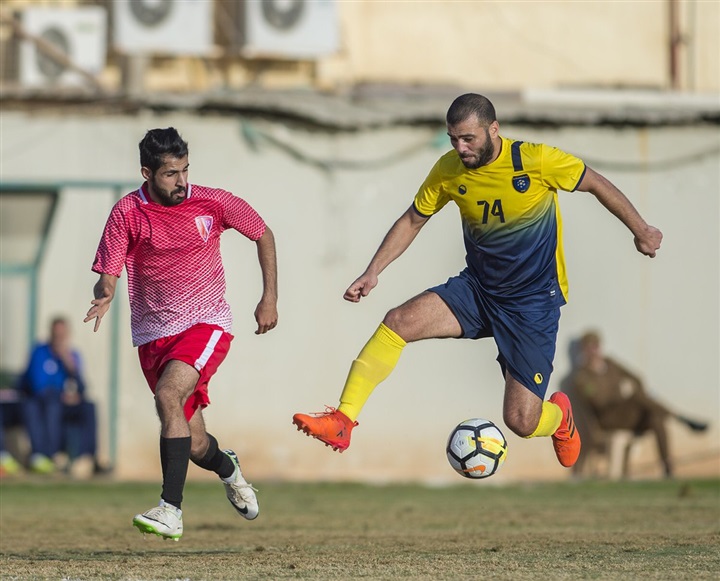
104	291
647	237
266	314
396	241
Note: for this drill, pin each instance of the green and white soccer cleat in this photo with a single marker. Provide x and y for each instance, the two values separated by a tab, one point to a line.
240	494
164	521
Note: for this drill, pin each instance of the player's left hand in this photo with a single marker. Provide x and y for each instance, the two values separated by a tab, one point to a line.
648	242
266	316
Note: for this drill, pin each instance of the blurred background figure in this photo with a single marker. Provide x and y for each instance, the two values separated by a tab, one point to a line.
10	417
57	415
609	398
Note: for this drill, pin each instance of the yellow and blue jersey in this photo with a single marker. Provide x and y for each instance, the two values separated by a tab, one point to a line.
510	218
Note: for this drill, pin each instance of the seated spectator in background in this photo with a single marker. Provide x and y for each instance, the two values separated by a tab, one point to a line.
10	415
609	397
57	415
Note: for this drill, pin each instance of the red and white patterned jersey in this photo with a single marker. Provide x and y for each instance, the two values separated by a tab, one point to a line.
172	256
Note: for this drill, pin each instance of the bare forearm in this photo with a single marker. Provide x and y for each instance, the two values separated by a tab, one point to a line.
618	204
103	291
266	314
396	241
647	237
105	287
267	257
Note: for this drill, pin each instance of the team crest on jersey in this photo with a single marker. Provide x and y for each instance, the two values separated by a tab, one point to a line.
521	183
204	225
462	189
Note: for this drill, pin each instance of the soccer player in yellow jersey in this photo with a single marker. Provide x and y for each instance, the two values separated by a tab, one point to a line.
514	283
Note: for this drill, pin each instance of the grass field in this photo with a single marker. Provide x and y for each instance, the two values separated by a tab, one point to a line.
549	531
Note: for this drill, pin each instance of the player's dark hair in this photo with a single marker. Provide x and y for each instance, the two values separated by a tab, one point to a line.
158	143
470	104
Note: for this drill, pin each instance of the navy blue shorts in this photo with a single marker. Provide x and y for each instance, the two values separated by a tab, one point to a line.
525	339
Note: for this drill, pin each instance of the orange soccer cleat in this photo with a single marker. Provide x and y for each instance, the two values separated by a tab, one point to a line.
331	427
566	439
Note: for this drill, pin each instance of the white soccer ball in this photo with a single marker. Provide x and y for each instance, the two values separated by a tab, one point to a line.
476	448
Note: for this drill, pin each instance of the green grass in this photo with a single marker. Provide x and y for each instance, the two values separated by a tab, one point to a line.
593	530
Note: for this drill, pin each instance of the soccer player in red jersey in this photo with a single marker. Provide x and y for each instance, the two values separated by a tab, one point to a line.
166	235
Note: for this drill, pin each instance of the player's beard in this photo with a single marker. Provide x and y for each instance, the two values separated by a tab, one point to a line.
482	156
168	197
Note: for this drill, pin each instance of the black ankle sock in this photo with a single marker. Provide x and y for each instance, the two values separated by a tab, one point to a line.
174	459
216	460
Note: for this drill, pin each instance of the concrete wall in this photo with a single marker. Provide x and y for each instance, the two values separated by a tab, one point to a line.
659	316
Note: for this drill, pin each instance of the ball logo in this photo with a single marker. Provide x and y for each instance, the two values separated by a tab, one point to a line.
480	469
462	189
538	378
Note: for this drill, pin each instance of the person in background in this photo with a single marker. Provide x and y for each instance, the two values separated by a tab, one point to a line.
10	415
56	412
615	398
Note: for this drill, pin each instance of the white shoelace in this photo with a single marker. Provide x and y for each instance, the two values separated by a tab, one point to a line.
161	514
241	491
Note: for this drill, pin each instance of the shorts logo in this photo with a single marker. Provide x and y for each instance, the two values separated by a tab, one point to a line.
204	225
521	183
462	189
538	378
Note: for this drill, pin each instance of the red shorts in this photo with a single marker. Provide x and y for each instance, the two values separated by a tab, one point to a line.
202	346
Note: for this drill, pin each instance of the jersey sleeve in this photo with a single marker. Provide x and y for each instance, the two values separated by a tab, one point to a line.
112	250
431	197
560	170
241	216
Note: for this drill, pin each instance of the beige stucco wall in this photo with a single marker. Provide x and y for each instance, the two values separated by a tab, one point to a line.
498	45
506	45
659	316
483	45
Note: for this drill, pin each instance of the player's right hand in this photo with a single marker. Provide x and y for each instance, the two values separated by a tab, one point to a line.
360	288
97	311
104	291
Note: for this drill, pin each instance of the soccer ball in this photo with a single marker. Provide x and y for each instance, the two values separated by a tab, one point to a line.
476	448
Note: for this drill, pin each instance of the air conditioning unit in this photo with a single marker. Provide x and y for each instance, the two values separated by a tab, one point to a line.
288	29
80	33
175	27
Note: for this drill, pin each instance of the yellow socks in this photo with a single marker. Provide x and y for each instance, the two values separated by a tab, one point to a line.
377	360
550	419
374	363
